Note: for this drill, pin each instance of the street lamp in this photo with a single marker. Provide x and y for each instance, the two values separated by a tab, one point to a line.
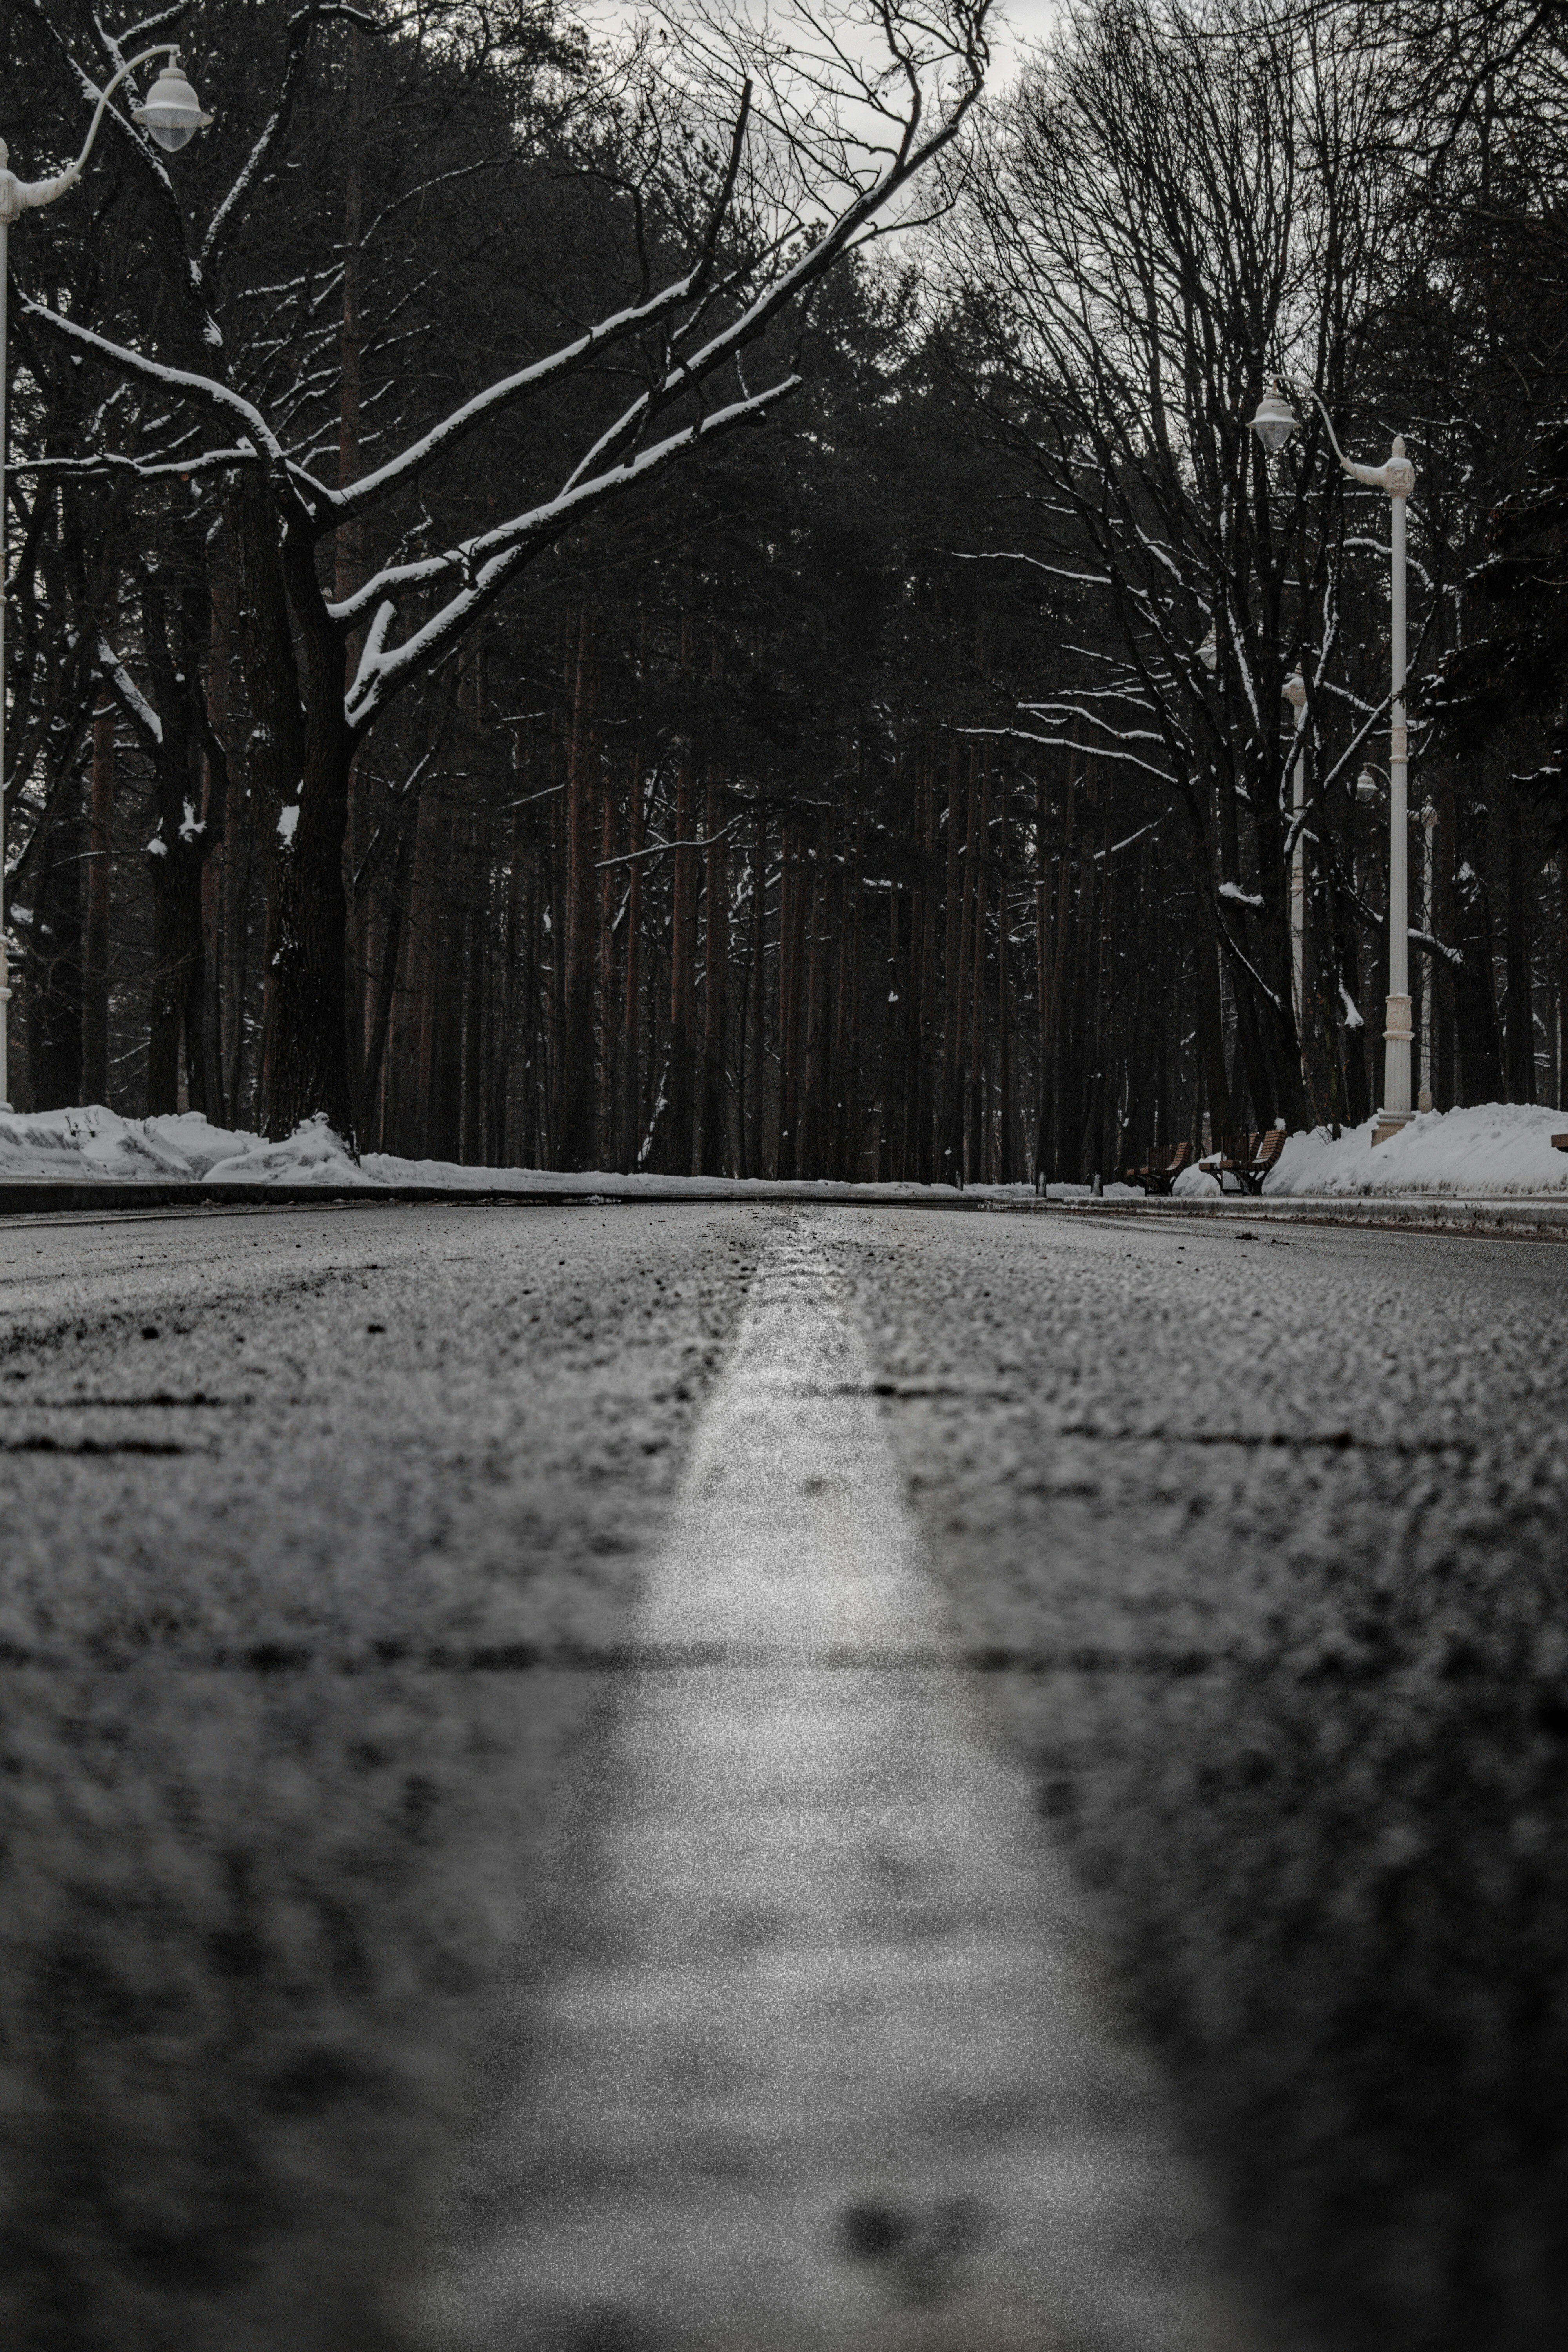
1294	691
1274	424
173	115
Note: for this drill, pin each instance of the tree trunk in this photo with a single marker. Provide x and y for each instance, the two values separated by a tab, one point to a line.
1521	1029
445	1139
682	1111
1358	1106
955	933
849	1067
927	1034
1007	1144
1211	1024
784	1151
715	1106
306	932
238	865
840	931
976	906
54	964
576	1148
609	1056
99	874
631	1082
1045	991
814	1099
1474	1002
349	543
217	795
759	998
174	873
386	980
475	958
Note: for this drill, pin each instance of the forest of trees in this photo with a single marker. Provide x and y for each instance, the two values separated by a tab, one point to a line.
411	720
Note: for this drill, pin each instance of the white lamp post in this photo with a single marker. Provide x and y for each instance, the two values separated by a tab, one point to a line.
1274	424
174	116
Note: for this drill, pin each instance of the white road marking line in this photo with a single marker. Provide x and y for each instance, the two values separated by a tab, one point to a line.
832	2071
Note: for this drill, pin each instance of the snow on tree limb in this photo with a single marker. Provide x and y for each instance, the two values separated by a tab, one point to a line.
346	505
230	210
489	562
205	391
128	694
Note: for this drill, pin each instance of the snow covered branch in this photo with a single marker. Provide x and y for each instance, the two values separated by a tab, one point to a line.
225	219
202	391
490	561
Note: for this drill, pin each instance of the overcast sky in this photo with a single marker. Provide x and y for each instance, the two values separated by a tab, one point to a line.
1029	18
1026	18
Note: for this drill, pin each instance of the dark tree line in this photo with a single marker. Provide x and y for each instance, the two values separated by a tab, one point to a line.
410	721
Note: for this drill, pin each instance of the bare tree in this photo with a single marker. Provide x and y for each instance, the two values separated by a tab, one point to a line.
806	133
1173	204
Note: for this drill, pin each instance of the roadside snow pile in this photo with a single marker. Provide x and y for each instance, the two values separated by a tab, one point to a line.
1490	1150
60	1146
1495	1149
56	1146
313	1154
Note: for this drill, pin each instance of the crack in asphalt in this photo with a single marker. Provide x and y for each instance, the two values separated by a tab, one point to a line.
630	1658
44	1443
160	1404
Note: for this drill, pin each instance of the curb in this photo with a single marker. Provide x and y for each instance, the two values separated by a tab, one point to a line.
1534	1219
25	1197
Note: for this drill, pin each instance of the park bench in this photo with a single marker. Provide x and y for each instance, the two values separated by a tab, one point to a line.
1248	1158
1560	1143
1165	1163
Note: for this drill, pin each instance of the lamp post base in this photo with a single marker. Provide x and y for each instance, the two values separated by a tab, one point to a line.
1389	1123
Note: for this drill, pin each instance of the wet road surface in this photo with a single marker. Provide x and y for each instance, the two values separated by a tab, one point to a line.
353	1567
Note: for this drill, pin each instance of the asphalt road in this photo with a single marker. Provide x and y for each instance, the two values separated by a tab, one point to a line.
328	1542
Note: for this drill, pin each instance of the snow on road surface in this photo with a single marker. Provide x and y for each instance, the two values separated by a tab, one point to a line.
834	2068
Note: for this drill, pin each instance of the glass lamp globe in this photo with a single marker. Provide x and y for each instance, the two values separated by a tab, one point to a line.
1366	785
1208	653
173	113
1275	421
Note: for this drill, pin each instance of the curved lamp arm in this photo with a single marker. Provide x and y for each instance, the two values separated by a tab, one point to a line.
17	196
1397	477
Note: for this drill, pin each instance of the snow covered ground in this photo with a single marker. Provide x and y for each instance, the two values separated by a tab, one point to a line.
1489	1152
67	1146
1492	1150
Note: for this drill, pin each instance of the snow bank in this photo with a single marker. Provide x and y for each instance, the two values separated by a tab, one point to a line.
1497	1150
1492	1150
313	1154
63	1145
60	1146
